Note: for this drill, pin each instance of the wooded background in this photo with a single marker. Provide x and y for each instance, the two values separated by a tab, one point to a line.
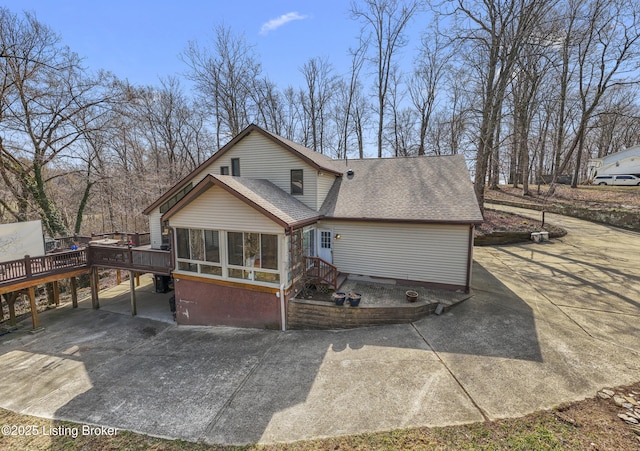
522	88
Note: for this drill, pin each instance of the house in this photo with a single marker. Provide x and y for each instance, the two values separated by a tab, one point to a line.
625	162
263	214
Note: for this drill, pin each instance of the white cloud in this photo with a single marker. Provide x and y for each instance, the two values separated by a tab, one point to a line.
280	21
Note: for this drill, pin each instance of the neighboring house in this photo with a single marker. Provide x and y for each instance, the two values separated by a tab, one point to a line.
625	162
248	221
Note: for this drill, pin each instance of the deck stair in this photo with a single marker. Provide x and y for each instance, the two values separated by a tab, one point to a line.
320	272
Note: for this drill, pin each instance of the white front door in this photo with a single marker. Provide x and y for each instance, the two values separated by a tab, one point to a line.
325	242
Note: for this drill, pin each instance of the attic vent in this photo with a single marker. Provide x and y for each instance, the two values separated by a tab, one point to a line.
350	172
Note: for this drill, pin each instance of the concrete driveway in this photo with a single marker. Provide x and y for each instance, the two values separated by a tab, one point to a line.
548	323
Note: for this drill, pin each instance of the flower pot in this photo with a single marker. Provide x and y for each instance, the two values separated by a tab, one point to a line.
339	297
412	296
354	299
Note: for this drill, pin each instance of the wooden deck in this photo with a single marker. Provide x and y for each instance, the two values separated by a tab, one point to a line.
30	271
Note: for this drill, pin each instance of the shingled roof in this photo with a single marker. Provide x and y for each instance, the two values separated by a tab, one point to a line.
257	193
411	189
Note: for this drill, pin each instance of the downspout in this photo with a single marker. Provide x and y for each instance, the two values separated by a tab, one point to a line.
283	314
283	304
467	288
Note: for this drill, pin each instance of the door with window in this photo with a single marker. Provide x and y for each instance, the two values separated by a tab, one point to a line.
325	244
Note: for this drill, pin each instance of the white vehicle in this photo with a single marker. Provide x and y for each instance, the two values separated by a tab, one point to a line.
618	180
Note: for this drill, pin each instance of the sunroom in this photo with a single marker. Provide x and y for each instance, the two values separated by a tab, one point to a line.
233	241
247	257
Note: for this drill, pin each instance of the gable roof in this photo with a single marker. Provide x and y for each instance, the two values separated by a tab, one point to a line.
260	194
317	160
411	189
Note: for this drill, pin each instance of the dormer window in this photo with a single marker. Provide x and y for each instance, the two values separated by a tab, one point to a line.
297	184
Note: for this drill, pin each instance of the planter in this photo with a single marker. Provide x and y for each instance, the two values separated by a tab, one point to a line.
354	299
339	297
412	296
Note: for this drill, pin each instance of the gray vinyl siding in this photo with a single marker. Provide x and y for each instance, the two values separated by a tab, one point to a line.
155	229
217	209
429	253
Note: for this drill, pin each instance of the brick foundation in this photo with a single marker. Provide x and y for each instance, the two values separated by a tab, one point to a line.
206	303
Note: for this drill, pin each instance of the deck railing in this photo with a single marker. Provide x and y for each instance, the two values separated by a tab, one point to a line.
33	267
117	257
135	239
141	260
321	271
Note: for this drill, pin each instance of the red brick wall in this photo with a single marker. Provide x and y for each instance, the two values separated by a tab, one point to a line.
210	304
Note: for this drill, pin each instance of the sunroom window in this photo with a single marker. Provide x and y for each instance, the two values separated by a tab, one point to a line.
253	256
198	251
248	256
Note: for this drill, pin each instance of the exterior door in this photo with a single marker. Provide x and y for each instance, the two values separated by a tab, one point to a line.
325	244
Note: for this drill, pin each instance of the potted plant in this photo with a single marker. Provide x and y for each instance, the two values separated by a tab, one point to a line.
339	297
412	296
354	299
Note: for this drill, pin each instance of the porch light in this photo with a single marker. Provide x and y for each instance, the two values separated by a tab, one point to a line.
337	236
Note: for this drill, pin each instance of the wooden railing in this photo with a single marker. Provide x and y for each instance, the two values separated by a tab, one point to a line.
141	260
118	257
321	271
135	239
33	267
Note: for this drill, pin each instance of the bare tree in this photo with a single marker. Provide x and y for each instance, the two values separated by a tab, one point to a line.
607	56
495	33
349	92
318	74
429	70
45	91
386	20
224	77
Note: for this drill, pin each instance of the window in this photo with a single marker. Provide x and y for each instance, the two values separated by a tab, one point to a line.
269	251
255	255
175	198
297	181
308	242
211	246
224	170
250	256
182	243
325	239
196	244
234	243
235	167
198	250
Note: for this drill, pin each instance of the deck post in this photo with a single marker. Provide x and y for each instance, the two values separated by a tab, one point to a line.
34	308
137	279
74	292
56	293
11	302
134	310
27	266
118	277
93	276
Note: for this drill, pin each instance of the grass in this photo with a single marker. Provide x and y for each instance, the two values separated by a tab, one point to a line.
588	424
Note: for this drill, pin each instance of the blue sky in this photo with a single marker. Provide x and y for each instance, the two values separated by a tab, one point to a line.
140	40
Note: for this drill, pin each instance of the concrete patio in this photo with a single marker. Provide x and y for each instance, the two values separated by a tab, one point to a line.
548	323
